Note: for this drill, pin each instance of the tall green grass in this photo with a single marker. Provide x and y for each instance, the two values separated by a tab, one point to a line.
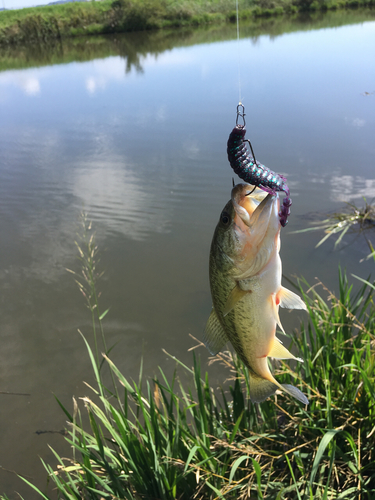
46	23
160	439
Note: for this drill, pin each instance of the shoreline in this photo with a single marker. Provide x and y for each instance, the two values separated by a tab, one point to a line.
46	23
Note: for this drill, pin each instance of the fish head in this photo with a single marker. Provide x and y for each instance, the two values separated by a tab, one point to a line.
256	209
226	238
248	229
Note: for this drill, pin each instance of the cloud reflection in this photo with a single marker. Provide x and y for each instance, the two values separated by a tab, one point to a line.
31	86
50	194
91	85
104	72
25	80
114	195
347	187
191	148
355	122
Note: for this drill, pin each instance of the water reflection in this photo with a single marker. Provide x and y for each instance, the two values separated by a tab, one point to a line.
355	122
132	47
102	71
27	81
133	129
348	188
112	192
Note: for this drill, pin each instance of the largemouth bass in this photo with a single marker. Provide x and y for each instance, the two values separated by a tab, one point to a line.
245	281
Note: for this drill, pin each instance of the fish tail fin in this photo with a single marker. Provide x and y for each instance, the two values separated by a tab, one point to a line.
296	393
260	388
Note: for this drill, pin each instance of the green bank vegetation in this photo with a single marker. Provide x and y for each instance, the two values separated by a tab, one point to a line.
42	24
160	439
132	47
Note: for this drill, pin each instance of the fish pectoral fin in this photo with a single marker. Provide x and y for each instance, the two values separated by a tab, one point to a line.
290	300
275	311
215	337
260	388
296	393
235	296
278	351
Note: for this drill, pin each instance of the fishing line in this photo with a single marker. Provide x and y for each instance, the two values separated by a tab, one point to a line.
238	52
244	162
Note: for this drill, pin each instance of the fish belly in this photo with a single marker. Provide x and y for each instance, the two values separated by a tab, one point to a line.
253	322
255	328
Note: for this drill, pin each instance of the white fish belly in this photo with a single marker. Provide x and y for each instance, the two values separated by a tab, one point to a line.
254	317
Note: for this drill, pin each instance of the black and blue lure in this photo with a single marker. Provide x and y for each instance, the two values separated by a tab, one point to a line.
250	170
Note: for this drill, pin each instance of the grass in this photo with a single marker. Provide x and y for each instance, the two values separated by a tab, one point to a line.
132	46
46	23
160	439
354	219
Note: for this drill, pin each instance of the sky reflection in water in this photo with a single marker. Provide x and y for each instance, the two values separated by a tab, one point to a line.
139	142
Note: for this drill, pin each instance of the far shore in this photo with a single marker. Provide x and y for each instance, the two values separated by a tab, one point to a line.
54	22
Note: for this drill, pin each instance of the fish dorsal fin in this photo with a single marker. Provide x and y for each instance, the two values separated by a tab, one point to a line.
235	296
278	351
275	311
290	300
215	337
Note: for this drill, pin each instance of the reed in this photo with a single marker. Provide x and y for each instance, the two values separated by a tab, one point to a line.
159	439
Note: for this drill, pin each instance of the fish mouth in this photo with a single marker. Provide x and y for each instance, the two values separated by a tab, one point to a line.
256	228
251	204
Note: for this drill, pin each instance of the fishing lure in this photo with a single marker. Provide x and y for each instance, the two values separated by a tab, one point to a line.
253	172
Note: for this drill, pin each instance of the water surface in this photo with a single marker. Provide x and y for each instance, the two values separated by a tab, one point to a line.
132	129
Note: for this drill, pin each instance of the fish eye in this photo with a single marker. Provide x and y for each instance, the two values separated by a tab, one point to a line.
225	218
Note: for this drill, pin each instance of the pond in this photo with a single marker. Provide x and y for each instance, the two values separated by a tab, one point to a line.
132	130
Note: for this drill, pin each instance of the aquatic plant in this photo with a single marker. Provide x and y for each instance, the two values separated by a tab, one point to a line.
356	219
163	440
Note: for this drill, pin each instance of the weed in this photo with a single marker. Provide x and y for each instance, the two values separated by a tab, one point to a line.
352	219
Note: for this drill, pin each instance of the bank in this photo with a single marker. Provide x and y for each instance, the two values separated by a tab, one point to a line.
45	23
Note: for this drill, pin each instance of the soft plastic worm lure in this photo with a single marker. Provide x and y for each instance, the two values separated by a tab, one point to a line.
253	172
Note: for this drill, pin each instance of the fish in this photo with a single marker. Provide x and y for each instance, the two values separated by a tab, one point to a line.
245	273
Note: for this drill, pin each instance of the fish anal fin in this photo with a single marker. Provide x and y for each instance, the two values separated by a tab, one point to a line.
296	393
278	351
215	337
260	388
290	300
235	296
275	311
